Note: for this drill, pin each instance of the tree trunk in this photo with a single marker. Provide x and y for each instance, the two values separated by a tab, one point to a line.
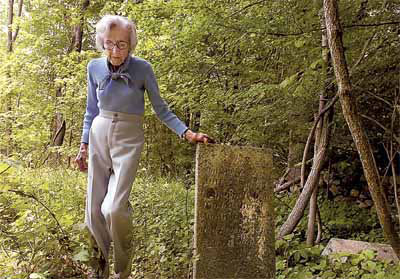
76	45
312	180
8	123
311	217
9	24
322	134
350	112
20	4
312	212
326	92
60	134
77	35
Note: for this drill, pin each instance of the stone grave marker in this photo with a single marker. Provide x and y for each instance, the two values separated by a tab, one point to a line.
384	252
234	213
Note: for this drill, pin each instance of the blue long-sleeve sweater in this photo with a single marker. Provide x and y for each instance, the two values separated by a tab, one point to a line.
123	91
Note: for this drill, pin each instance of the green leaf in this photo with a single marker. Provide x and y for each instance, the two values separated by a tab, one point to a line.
305	275
82	256
286	82
369	254
328	275
280	265
299	43
356	260
316	64
37	276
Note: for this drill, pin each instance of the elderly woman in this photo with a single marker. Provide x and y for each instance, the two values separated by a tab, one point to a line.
113	138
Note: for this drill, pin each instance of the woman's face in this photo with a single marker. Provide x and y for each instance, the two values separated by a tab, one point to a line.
116	45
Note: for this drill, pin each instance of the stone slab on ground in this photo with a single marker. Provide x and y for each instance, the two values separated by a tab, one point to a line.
234	215
337	245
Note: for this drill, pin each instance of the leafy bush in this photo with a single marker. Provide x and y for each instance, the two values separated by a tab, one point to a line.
41	222
163	222
296	261
346	220
41	217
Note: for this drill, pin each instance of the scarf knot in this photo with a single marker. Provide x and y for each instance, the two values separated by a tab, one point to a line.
117	75
121	73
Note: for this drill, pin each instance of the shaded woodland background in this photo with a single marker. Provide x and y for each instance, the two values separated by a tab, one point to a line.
253	73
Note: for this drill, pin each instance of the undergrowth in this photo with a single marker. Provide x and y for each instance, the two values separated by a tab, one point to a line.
41	230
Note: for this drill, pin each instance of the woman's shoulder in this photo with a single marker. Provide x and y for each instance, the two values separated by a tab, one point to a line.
138	62
96	62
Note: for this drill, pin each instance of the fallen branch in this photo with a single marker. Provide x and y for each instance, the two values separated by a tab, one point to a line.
286	185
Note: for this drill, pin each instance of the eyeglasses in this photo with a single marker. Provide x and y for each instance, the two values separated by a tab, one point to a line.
121	45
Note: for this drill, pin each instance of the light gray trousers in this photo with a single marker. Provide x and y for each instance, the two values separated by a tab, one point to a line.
115	144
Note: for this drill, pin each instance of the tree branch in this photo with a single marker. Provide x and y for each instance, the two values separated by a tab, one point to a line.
311	135
246	7
223	55
361	57
31	196
283	34
5	170
377	97
372	24
381	126
286	185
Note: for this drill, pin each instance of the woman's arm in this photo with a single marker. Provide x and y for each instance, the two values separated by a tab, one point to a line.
164	114
160	106
92	109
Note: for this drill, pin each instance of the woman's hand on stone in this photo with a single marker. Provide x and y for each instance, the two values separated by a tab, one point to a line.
198	137
81	158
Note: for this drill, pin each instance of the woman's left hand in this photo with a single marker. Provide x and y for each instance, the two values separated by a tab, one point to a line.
198	137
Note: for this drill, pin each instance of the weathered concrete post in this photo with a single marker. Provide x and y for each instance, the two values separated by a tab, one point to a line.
234	219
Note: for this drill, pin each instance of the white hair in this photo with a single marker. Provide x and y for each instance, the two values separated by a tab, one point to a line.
107	22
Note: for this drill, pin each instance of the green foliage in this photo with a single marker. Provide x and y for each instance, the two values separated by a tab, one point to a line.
33	244
295	260
246	72
163	228
40	213
345	219
342	218
42	233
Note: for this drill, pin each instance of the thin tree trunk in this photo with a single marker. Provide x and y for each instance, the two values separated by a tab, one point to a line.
321	134
353	120
311	217
312	212
77	37
325	93
78	32
9	24
313	200
319	226
312	181
15	34
11	37
8	123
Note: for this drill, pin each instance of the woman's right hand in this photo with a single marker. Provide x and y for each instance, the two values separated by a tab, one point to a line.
81	158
